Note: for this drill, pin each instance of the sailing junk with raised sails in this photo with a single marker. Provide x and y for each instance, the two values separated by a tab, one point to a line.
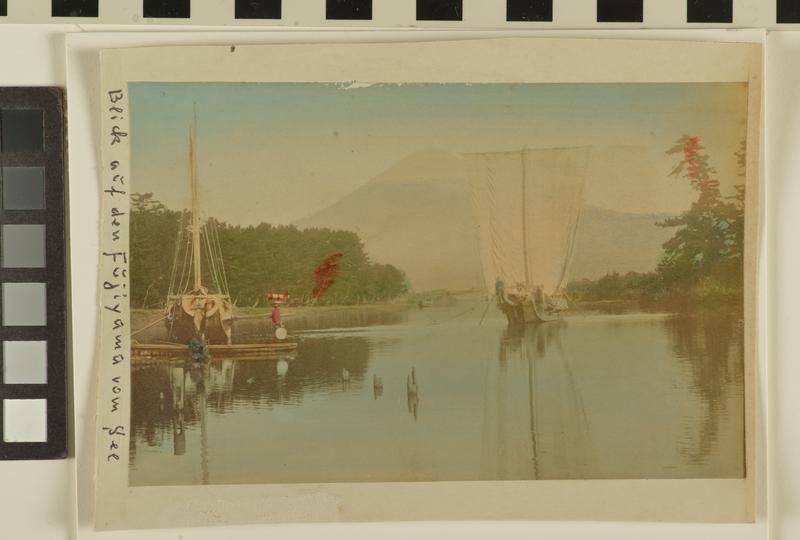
192	310
528	204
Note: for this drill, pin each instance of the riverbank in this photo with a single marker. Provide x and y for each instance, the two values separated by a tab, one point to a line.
661	304
148	326
289	313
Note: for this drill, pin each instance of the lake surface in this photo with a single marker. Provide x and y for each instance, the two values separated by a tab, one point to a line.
593	396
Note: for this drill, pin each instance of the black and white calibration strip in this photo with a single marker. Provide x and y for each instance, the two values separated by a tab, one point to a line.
33	315
515	14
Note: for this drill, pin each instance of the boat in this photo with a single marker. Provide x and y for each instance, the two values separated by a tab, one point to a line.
528	203
194	308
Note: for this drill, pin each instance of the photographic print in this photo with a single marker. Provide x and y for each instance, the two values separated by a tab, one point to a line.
456	290
394	282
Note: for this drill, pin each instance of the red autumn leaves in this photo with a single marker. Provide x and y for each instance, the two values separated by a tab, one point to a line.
696	165
325	274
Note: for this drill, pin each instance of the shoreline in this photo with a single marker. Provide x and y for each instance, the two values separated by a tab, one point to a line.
140	318
673	304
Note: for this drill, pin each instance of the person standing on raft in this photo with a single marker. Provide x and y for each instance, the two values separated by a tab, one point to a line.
276	316
276	299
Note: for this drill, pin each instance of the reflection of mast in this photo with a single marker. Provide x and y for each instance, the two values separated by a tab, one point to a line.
224	388
502	413
532	409
201	391
178	384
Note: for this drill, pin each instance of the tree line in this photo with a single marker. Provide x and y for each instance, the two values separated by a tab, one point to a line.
704	259
257	260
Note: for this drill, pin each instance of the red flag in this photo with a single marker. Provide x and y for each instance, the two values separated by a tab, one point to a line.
325	275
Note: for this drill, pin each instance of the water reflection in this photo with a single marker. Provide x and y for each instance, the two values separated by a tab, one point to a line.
412	394
178	383
528	344
713	358
598	396
377	387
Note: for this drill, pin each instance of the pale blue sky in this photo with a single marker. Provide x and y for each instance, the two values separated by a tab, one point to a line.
277	152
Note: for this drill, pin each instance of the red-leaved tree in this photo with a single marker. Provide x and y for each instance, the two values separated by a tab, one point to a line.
325	275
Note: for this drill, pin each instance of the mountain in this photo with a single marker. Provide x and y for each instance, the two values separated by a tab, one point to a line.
609	241
418	215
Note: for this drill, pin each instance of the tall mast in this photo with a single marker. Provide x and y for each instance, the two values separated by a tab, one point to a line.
195	205
524	219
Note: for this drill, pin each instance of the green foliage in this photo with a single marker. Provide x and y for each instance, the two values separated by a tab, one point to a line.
153	235
615	286
703	260
706	251
258	259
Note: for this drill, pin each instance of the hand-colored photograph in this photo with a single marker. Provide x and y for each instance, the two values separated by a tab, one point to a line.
436	282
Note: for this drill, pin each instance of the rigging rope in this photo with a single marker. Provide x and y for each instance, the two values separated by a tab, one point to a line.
503	261
217	249
186	268
210	259
573	233
174	273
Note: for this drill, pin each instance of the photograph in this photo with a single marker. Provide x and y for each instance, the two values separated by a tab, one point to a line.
339	282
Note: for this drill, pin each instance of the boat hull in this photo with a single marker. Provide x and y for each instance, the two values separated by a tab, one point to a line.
528	309
213	321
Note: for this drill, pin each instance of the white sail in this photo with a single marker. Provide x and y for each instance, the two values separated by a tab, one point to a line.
528	204
497	196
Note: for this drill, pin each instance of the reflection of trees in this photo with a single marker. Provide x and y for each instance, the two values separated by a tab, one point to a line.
703	371
318	367
711	347
221	386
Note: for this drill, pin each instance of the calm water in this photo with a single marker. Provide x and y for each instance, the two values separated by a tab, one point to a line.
593	396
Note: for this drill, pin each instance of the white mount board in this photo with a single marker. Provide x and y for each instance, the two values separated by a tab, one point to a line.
45	499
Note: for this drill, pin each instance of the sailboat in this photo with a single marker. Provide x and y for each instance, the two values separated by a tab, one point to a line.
193	309
528	204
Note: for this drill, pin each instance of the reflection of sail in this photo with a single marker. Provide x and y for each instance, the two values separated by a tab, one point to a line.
555	426
531	344
528	204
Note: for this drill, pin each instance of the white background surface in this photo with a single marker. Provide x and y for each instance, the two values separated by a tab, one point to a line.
52	499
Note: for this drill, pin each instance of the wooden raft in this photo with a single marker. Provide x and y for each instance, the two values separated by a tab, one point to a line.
142	352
